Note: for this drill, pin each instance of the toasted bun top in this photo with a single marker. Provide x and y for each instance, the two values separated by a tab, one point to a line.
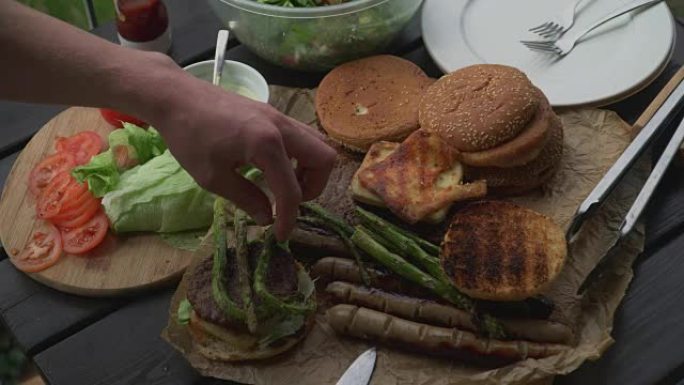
371	99
479	107
523	148
499	251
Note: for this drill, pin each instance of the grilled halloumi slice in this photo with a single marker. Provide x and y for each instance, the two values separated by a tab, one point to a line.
419	180
378	152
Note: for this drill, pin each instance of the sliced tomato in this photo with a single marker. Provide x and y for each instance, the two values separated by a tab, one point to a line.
78	201
42	251
62	188
80	240
82	146
79	217
116	118
47	169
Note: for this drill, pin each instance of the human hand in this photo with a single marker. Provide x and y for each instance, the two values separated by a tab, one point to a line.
213	133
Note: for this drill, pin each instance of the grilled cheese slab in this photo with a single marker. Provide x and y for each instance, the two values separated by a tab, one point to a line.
417	180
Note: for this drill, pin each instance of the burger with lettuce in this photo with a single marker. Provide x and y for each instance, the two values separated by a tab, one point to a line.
251	299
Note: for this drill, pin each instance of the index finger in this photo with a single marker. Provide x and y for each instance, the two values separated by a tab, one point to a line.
315	158
282	182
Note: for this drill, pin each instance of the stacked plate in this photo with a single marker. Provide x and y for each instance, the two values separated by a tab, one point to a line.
614	61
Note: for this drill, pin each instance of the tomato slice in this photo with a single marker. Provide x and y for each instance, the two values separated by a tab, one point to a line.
63	188
82	146
47	169
82	239
116	118
77	204
42	251
78	217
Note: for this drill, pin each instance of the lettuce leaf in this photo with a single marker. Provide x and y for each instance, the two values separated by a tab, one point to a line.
191	240
184	312
158	196
101	173
128	146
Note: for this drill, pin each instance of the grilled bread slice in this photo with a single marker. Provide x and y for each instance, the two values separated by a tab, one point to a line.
502	252
420	177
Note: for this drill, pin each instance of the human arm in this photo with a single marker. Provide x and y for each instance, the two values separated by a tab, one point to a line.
211	132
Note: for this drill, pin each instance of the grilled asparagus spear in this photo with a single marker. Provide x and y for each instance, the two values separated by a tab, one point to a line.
260	289
373	221
218	289
363	239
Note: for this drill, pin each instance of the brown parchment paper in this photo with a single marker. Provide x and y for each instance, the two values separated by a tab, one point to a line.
593	141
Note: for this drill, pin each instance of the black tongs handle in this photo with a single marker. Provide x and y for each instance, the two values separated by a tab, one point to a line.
671	106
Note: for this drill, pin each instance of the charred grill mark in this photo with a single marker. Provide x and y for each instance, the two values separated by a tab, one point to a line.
490	253
516	269
540	266
470	265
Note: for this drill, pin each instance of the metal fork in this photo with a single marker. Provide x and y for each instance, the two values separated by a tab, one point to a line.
559	24
565	44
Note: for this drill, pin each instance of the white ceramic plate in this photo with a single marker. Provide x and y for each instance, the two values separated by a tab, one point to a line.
612	61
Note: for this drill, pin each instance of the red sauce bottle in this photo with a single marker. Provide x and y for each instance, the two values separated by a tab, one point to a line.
143	24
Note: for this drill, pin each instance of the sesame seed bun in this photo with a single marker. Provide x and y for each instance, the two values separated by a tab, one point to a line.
523	148
479	107
517	180
371	99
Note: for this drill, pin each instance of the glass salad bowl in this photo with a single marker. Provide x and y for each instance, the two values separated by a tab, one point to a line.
316	38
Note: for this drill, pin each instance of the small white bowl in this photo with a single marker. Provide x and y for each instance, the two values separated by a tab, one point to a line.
237	77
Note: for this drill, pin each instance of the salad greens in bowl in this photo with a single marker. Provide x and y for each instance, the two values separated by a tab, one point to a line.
315	35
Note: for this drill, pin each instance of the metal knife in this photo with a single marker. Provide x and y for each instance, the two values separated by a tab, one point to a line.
361	370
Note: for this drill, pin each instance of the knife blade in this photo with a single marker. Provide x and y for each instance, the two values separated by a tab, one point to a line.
361	370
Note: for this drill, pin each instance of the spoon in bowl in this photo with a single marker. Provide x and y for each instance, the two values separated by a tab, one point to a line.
219	55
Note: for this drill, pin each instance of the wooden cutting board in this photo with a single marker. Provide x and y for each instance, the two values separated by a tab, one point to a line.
121	265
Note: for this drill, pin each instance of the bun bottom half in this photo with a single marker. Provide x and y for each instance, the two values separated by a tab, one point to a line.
221	344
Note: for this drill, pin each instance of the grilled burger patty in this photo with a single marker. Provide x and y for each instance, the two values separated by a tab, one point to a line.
281	281
503	252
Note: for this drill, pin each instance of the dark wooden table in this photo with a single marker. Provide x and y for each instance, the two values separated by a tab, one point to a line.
75	340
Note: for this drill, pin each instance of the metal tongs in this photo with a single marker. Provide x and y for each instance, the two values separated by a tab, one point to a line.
656	125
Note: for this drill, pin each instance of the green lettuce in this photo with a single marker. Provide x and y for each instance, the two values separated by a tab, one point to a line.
184	312
191	240
128	146
158	196
101	173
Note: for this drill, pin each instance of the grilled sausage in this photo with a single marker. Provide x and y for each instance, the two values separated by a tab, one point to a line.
373	325
309	242
431	312
331	269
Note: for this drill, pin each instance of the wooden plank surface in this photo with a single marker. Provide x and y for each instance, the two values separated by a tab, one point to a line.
122	348
5	167
121	265
648	326
38	316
